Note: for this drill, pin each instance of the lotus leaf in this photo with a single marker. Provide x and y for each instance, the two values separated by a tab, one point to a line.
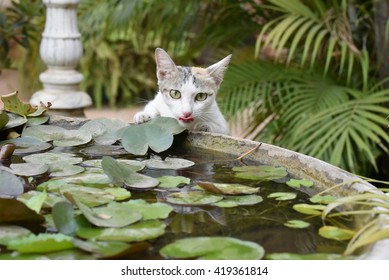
104	131
10	232
283	195
150	211
28	169
14	121
193	198
52	158
294	183
104	150
213	248
134	233
10	185
50	199
134	164
260	172
105	249
167	182
27	145
41	243
169	163
121	173
323	199
336	233
228	189
237	200
309	209
64	169
36	202
169	124
31	121
297	224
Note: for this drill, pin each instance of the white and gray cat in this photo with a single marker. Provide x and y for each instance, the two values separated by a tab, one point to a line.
187	94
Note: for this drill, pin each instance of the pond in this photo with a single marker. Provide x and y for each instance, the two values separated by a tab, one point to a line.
104	202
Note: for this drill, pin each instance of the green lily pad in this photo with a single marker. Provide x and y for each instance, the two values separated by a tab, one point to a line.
193	198
14	121
294	183
104	150
41	243
27	145
150	211
36	202
134	164
64	169
297	224
10	185
31	121
111	215
61	137
50	199
282	195
104	131
169	124
64	218
137	139
167	182
53	158
28	169
4	118
134	233
13	104
336	233
323	199
260	172
169	163
228	189
309	209
213	248
106	249
10	232
121	173
239	200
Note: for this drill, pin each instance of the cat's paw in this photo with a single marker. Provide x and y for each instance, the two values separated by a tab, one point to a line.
141	117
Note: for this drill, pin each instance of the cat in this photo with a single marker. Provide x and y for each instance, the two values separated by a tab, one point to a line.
187	94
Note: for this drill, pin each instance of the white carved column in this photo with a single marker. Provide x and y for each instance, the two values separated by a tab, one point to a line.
61	51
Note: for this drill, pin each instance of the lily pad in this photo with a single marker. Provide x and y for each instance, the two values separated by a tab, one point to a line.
64	169
36	202
323	199
28	169
50	199
296	224
14	121
336	233
260	172
121	173
228	189
282	195
309	209
64	218
104	131
27	145
150	211
104	150
134	164
238	200
169	124
137	139
107	249
52	158
193	198
134	233
41	243
10	232
295	183
167	182
31	121
213	248
10	185
314	256
169	163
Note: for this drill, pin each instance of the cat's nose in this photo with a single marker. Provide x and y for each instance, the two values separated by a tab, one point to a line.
187	114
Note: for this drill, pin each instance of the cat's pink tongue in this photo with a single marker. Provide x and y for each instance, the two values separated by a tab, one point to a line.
186	119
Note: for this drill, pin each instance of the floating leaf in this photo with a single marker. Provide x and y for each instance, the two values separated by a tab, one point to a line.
27	145
228	189
106	249
112	215
309	209
28	169
10	185
336	233
104	131
15	211
41	243
104	150
213	248
64	218
167	182
237	200
294	183
121	173
314	256
260	172
169	124
14	121
134	164
49	202
10	232
323	199
31	121
192	198
282	195
134	233
297	224
64	169
150	211
61	137
137	139
13	104
169	163
52	158
36	202
4	118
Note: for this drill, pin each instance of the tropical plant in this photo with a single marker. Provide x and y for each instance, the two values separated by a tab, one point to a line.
319	93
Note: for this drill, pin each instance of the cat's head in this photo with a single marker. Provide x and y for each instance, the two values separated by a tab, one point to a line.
189	92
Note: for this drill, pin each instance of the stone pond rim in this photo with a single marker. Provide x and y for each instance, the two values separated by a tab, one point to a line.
323	174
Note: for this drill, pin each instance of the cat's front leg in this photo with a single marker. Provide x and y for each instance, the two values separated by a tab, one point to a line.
144	116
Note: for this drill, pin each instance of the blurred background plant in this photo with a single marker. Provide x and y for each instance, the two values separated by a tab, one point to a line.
308	75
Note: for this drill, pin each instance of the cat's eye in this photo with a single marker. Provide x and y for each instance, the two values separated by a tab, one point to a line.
201	96
175	94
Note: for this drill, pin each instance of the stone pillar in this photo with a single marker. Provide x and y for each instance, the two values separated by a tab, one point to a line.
61	51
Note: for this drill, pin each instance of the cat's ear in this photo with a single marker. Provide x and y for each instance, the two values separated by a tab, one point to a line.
165	64
216	71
